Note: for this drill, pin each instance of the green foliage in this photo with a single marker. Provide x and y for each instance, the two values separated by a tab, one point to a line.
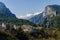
56	21
8	18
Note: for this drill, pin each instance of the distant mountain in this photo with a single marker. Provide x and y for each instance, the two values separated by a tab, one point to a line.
36	19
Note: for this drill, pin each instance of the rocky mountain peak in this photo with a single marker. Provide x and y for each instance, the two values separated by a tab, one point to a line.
50	10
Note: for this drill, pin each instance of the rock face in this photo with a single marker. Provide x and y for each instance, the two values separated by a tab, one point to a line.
49	11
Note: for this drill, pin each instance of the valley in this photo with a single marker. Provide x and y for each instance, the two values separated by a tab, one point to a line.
44	26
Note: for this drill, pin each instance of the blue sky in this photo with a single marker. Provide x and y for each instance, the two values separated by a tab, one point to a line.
23	7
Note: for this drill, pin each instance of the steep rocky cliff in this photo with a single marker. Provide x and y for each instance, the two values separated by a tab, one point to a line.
49	12
51	16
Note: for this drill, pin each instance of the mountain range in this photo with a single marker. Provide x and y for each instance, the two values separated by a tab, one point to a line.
50	16
36	19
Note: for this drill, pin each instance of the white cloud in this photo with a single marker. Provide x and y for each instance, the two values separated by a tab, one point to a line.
26	16
21	16
36	13
29	15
